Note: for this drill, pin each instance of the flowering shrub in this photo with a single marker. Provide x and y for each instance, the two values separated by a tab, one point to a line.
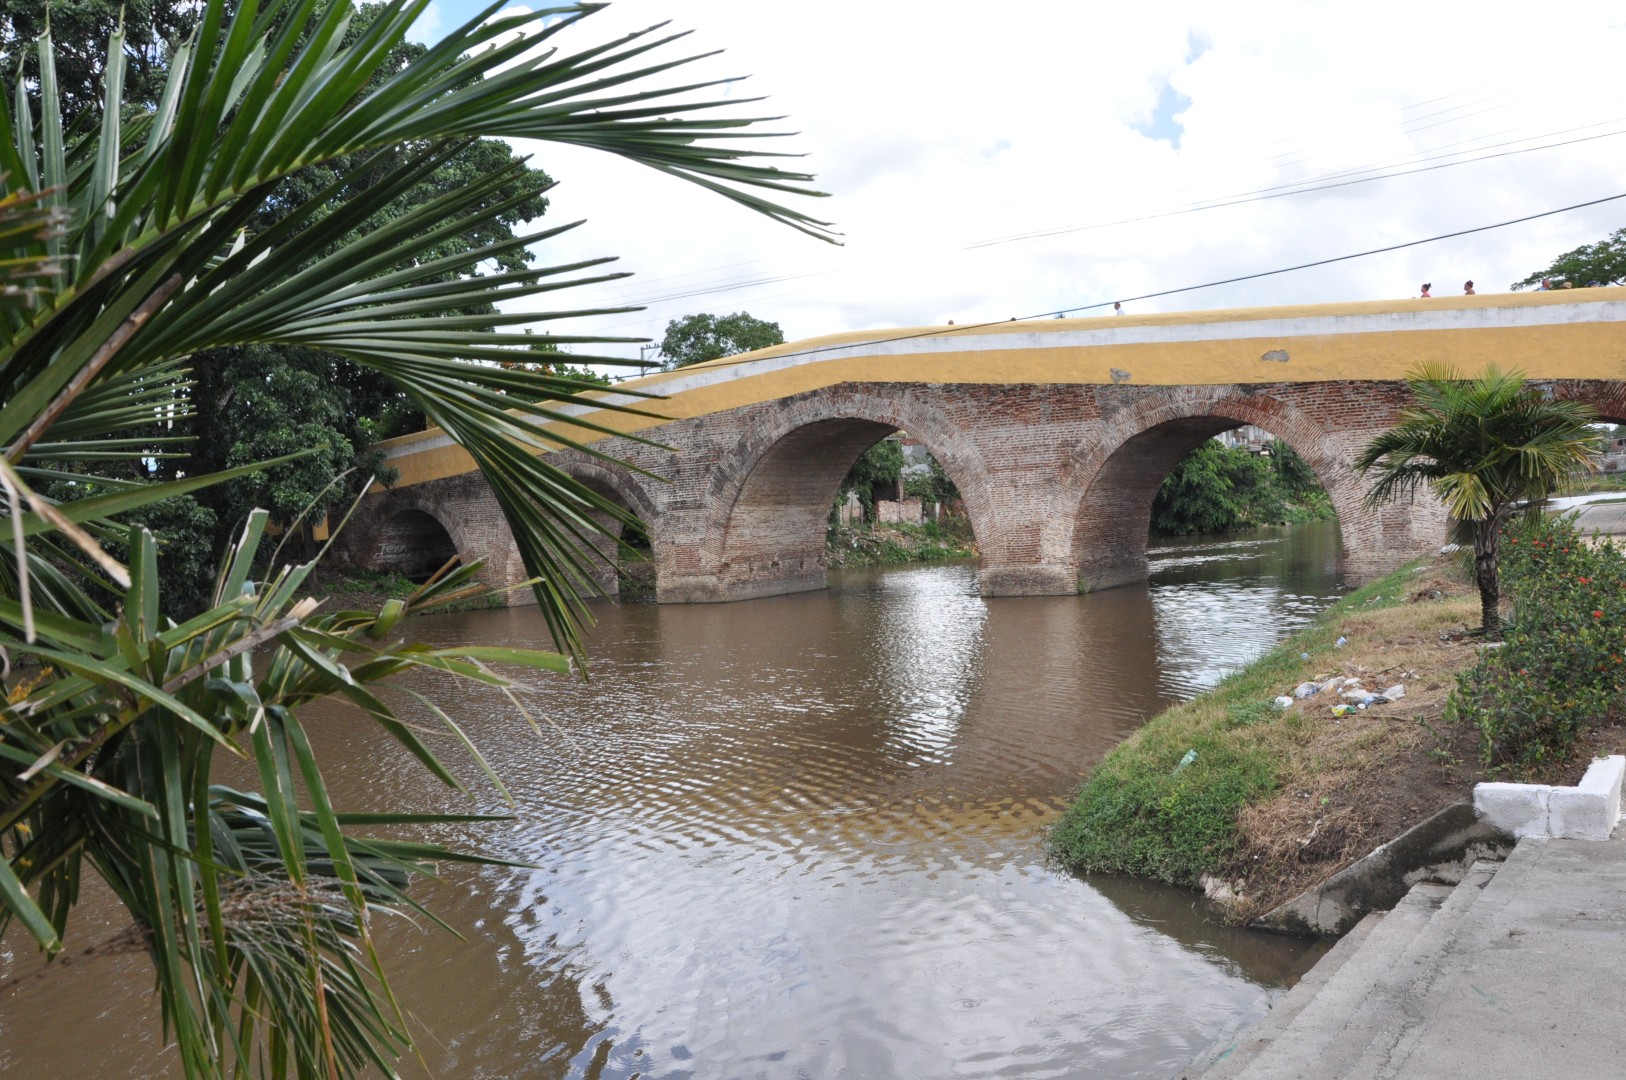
1562	669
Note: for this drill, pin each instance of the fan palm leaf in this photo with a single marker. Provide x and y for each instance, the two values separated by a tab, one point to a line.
1482	446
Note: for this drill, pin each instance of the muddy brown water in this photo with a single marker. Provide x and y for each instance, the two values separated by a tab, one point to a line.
795	837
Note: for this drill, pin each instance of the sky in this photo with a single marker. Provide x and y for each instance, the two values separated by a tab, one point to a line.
1058	156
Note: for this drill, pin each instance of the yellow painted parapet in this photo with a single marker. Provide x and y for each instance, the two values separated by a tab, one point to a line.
1565	334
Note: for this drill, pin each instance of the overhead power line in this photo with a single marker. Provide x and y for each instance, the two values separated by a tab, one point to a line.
947	330
1336	180
1267	194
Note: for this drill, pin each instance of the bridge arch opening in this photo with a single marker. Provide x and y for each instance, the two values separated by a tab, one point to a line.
414	544
1608	401
1115	516
773	532
620	555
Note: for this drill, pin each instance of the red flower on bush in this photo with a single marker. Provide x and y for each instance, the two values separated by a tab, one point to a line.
1597	614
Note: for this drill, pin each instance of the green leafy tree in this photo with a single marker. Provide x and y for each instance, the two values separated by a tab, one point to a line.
140	238
1292	473
1219	489
1482	446
1210	490
698	338
1603	263
258	402
880	465
81	29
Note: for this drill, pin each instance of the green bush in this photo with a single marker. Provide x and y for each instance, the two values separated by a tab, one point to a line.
1560	671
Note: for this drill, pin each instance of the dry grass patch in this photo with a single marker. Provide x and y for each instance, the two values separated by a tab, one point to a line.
1351	783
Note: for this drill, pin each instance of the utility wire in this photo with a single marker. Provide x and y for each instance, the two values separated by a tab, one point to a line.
705	288
1259	195
1276	193
946	330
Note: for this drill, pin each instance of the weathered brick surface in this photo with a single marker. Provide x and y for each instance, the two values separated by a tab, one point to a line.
1057	481
471	523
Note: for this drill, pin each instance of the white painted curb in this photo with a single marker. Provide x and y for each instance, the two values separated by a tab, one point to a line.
1587	811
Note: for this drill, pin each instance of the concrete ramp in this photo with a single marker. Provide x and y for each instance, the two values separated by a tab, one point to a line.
1512	974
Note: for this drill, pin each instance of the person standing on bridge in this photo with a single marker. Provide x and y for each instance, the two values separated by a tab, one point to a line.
1468	288
1426	286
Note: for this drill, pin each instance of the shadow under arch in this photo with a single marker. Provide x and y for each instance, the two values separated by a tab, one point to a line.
1111	480
413	542
619	485
769	500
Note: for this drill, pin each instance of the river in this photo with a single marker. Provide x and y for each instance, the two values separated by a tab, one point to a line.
796	837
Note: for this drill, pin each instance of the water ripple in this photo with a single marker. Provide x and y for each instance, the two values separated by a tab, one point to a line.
801	837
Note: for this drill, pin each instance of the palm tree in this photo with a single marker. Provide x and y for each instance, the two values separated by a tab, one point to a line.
1483	446
123	251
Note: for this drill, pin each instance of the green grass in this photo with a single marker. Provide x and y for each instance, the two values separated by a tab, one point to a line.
1140	813
372	581
1595	482
894	544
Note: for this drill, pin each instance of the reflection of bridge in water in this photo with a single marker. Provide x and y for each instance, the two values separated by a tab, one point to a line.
1057	434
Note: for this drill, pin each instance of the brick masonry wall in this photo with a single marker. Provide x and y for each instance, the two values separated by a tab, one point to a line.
1057	480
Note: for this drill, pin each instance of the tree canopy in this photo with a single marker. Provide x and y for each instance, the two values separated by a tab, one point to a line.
1482	446
81	30
1603	263
695	339
257	402
1218	489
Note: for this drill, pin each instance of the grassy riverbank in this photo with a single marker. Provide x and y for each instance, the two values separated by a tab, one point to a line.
1275	799
892	544
1232	792
349	589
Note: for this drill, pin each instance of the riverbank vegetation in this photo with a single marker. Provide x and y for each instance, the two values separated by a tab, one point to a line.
1220	489
857	535
1142	813
896	543
1561	672
1270	800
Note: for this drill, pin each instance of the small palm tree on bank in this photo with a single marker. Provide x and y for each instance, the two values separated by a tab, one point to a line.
1483	446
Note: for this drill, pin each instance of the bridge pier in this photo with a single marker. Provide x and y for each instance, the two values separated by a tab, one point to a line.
1037	580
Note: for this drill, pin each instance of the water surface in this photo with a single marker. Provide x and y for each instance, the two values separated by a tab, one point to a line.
798	836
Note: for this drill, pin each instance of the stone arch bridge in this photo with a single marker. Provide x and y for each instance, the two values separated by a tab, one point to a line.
1056	433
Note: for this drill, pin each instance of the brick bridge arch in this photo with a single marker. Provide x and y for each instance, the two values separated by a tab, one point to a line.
622	486
1110	480
1605	395
1056	431
767	500
404	532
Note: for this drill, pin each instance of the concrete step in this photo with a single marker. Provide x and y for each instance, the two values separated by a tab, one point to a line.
1318	1020
1532	987
1383	1023
1226	1059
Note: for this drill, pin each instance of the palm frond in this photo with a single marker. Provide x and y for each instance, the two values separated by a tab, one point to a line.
131	244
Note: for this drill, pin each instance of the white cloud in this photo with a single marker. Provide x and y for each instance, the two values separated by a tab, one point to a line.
939	125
